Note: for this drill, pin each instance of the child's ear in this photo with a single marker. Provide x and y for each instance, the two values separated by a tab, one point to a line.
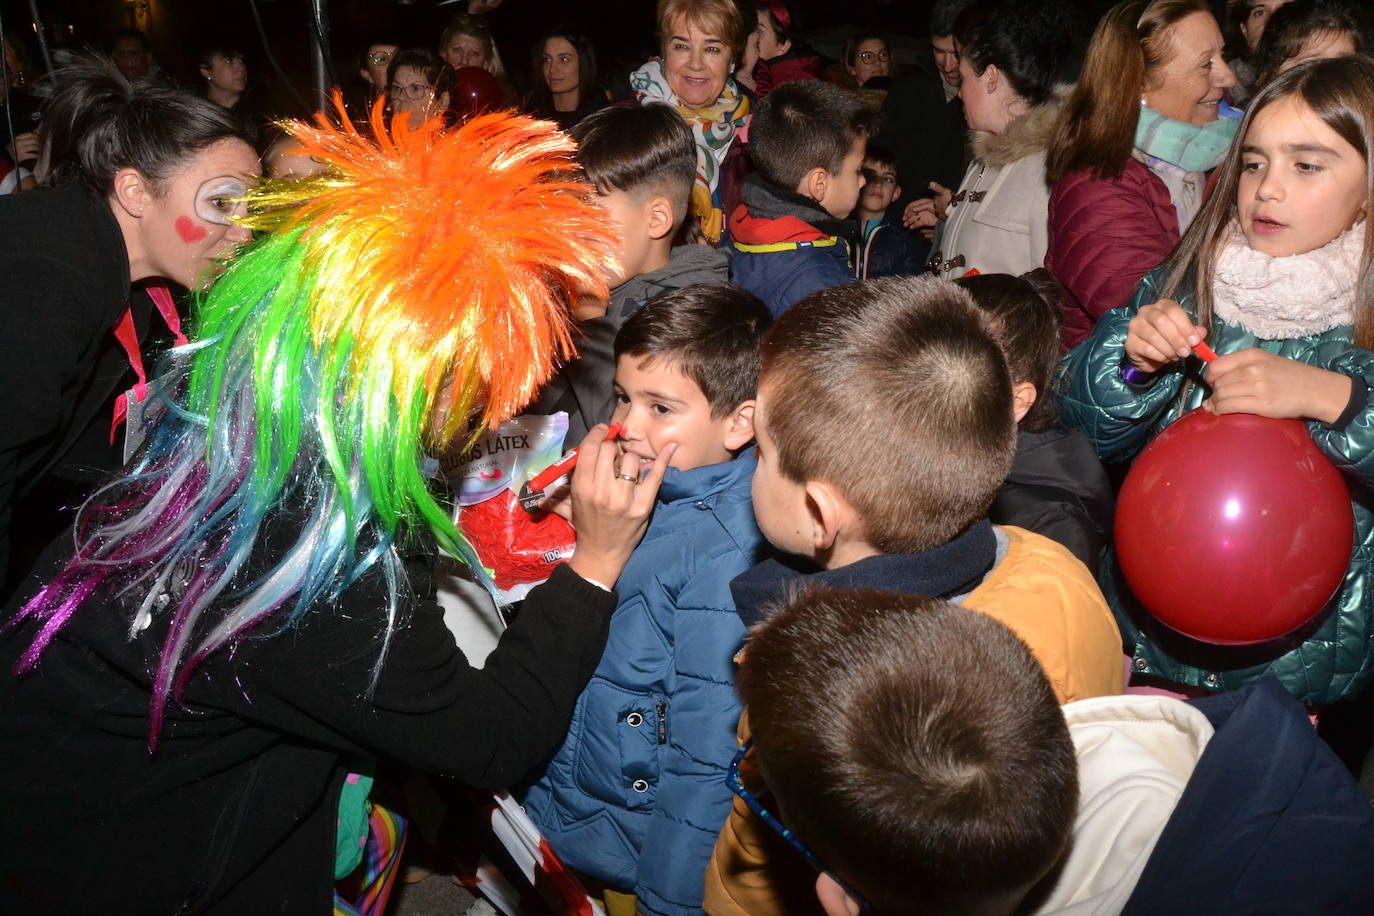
441	103
1023	395
815	183
827	514
833	899
896	192
741	429
659	214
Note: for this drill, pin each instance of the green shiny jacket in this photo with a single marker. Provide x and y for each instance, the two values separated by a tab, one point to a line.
1329	662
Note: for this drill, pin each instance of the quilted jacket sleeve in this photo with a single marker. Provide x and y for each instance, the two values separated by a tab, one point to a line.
1105	236
1118	418
1351	449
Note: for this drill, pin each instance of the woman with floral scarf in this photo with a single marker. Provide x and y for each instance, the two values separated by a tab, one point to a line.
701	42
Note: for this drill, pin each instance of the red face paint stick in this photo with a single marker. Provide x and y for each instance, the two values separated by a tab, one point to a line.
1204	352
565	464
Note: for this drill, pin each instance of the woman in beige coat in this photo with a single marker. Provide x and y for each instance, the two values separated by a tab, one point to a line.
997	222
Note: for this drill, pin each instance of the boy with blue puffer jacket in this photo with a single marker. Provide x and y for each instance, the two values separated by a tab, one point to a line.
636	796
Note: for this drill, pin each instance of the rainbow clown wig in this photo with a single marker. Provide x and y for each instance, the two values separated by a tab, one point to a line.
414	292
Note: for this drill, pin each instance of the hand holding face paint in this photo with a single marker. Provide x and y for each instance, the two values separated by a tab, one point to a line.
612	512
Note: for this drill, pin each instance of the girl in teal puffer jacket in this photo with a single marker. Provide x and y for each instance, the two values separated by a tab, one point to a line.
1275	273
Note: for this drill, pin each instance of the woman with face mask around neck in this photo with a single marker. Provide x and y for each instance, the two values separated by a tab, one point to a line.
146	182
701	42
1131	150
1276	274
1010	55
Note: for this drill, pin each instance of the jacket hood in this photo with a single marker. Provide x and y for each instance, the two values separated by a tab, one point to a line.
687	264
1027	135
949	571
1135	754
771	214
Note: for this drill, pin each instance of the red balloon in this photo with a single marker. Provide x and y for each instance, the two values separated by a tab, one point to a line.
474	91
1234	529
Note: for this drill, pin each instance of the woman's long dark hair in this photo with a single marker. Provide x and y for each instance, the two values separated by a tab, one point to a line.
541	97
1340	93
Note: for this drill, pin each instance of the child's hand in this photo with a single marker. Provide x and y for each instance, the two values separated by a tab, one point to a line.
611	504
1256	381
1161	333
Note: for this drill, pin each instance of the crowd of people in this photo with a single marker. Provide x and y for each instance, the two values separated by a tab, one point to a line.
855	351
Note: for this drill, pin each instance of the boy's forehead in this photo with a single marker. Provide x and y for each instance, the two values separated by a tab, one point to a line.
649	367
880	167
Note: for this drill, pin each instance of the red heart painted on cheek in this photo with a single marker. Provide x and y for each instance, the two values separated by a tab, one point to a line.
188	230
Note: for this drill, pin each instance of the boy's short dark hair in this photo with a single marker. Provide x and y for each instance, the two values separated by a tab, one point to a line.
639	149
710	331
804	125
896	393
1024	312
916	747
882	155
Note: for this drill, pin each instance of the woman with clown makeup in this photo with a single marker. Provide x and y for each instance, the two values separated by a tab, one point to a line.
245	618
144	184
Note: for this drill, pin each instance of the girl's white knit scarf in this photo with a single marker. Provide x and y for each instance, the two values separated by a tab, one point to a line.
1296	296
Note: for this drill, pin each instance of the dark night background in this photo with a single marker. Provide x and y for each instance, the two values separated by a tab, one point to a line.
177	28
622	31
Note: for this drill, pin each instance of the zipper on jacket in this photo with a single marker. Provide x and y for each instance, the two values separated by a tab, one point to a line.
662	709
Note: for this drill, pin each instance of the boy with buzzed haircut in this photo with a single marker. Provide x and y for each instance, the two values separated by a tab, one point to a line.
946	721
642	161
791	235
916	752
635	797
885	428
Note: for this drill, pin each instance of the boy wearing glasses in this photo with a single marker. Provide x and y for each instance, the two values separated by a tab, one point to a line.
925	766
887	249
914	749
884	429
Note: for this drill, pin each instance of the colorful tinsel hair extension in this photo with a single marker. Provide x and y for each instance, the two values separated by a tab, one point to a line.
422	282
